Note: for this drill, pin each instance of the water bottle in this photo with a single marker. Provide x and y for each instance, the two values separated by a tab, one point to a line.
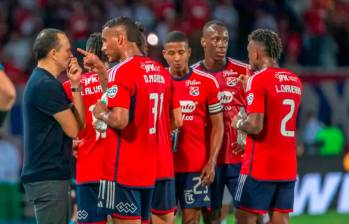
241	134
174	136
100	124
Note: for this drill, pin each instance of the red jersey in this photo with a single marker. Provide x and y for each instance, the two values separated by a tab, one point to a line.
271	155
232	96
93	144
198	95
165	169
141	85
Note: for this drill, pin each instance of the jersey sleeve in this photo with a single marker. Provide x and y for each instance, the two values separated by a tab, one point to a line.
255	95
52	98
120	89
214	105
174	97
67	90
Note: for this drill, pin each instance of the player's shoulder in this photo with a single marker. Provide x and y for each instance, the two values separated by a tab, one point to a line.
205	76
196	65
119	67
237	64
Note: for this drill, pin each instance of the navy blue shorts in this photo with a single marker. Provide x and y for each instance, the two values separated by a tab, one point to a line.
190	192
226	175
164	197
125	202
260	197
86	198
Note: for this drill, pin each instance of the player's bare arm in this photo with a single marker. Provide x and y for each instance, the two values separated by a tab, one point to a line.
208	173
176	118
116	118
252	124
7	92
93	63
74	75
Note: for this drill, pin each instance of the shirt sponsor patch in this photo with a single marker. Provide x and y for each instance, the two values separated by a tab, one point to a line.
112	91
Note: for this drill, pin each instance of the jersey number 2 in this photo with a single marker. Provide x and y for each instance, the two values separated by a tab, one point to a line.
284	132
156	109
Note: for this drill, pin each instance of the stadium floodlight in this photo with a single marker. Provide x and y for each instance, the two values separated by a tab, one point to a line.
152	39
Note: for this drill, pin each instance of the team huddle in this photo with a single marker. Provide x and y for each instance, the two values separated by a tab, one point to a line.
159	137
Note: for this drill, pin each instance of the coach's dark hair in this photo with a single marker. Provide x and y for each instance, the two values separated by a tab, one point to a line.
132	30
46	40
213	22
94	45
270	40
176	36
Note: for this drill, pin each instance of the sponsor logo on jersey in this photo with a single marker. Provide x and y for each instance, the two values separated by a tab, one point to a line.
225	97
194	90
250	98
82	214
150	67
192	83
187	106
229	73
281	76
112	91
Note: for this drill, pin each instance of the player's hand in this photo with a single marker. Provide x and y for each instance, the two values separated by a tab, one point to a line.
208	173
99	109
235	121
243	78
91	61
238	149
76	143
74	71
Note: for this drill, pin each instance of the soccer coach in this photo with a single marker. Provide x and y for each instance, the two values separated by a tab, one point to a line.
50	123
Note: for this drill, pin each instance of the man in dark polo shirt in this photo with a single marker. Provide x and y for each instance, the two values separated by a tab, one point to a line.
50	123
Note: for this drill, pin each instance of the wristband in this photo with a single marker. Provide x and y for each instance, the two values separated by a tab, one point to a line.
76	89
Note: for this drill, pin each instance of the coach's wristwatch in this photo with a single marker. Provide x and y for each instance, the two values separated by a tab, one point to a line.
76	89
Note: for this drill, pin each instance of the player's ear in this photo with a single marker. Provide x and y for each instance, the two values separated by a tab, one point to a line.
189	52
164	53
203	42
52	54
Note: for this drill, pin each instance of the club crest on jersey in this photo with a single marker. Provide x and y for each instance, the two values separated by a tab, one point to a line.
194	90
231	81
250	98
112	91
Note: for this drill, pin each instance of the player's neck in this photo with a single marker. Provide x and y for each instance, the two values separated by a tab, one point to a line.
49	66
212	65
179	74
269	63
130	51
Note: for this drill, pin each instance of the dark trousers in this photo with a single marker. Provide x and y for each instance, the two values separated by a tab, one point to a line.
51	200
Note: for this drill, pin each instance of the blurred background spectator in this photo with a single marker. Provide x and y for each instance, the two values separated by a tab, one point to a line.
315	36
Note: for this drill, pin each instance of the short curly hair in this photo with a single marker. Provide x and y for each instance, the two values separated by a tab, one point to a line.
270	40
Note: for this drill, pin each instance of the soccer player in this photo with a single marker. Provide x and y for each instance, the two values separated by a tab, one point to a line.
92	146
268	174
136	89
215	38
194	162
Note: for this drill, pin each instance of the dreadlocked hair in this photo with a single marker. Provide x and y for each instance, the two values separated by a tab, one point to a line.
270	40
94	45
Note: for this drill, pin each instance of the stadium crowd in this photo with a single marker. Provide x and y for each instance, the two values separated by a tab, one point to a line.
307	28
